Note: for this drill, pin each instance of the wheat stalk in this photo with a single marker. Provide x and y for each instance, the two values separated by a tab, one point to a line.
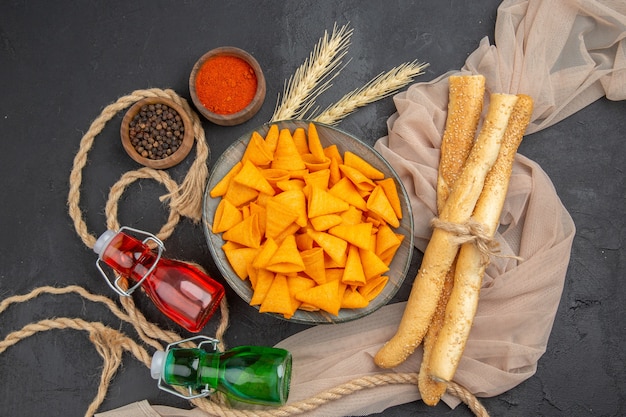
322	66
379	87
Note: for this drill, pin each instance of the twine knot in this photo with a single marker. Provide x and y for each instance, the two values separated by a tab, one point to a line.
474	232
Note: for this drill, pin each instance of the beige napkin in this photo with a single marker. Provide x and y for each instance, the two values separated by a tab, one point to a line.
565	54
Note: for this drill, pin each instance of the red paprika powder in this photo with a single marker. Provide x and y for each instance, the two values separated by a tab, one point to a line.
226	84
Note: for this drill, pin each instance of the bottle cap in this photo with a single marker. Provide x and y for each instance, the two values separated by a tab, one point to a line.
156	367
103	241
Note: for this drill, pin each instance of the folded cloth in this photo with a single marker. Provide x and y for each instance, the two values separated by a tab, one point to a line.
565	55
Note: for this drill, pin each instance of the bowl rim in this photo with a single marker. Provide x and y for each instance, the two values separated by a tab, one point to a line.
303	317
176	157
247	112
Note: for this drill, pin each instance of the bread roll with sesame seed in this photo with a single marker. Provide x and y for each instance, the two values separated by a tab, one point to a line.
470	268
443	247
430	389
465	104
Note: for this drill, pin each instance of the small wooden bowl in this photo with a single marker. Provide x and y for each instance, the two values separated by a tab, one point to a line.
176	156
247	112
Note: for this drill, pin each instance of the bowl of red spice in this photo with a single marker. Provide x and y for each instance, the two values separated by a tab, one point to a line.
157	132
227	86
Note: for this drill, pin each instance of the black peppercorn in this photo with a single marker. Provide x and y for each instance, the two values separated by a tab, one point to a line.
156	131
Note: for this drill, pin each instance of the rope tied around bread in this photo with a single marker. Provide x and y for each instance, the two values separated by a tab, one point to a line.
474	232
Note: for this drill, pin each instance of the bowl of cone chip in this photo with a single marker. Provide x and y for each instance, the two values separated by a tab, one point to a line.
308	223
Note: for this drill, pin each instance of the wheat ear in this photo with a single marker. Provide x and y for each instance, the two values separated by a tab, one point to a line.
379	87
314	76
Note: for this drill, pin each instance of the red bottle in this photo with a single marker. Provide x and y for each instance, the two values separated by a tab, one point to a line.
182	292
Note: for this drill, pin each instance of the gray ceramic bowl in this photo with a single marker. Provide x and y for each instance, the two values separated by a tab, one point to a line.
345	142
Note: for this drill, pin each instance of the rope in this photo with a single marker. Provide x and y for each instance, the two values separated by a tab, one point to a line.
184	200
111	344
472	232
151	339
128	178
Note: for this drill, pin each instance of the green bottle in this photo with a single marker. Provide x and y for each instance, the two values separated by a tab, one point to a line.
250	374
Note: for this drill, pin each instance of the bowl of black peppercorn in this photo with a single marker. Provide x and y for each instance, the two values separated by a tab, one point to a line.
157	132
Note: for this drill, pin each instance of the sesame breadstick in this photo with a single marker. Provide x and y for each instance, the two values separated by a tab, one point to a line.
470	268
443	245
430	389
465	103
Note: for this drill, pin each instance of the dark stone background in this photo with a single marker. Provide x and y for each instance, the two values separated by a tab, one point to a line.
62	62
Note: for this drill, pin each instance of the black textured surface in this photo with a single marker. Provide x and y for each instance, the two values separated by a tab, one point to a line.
62	62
